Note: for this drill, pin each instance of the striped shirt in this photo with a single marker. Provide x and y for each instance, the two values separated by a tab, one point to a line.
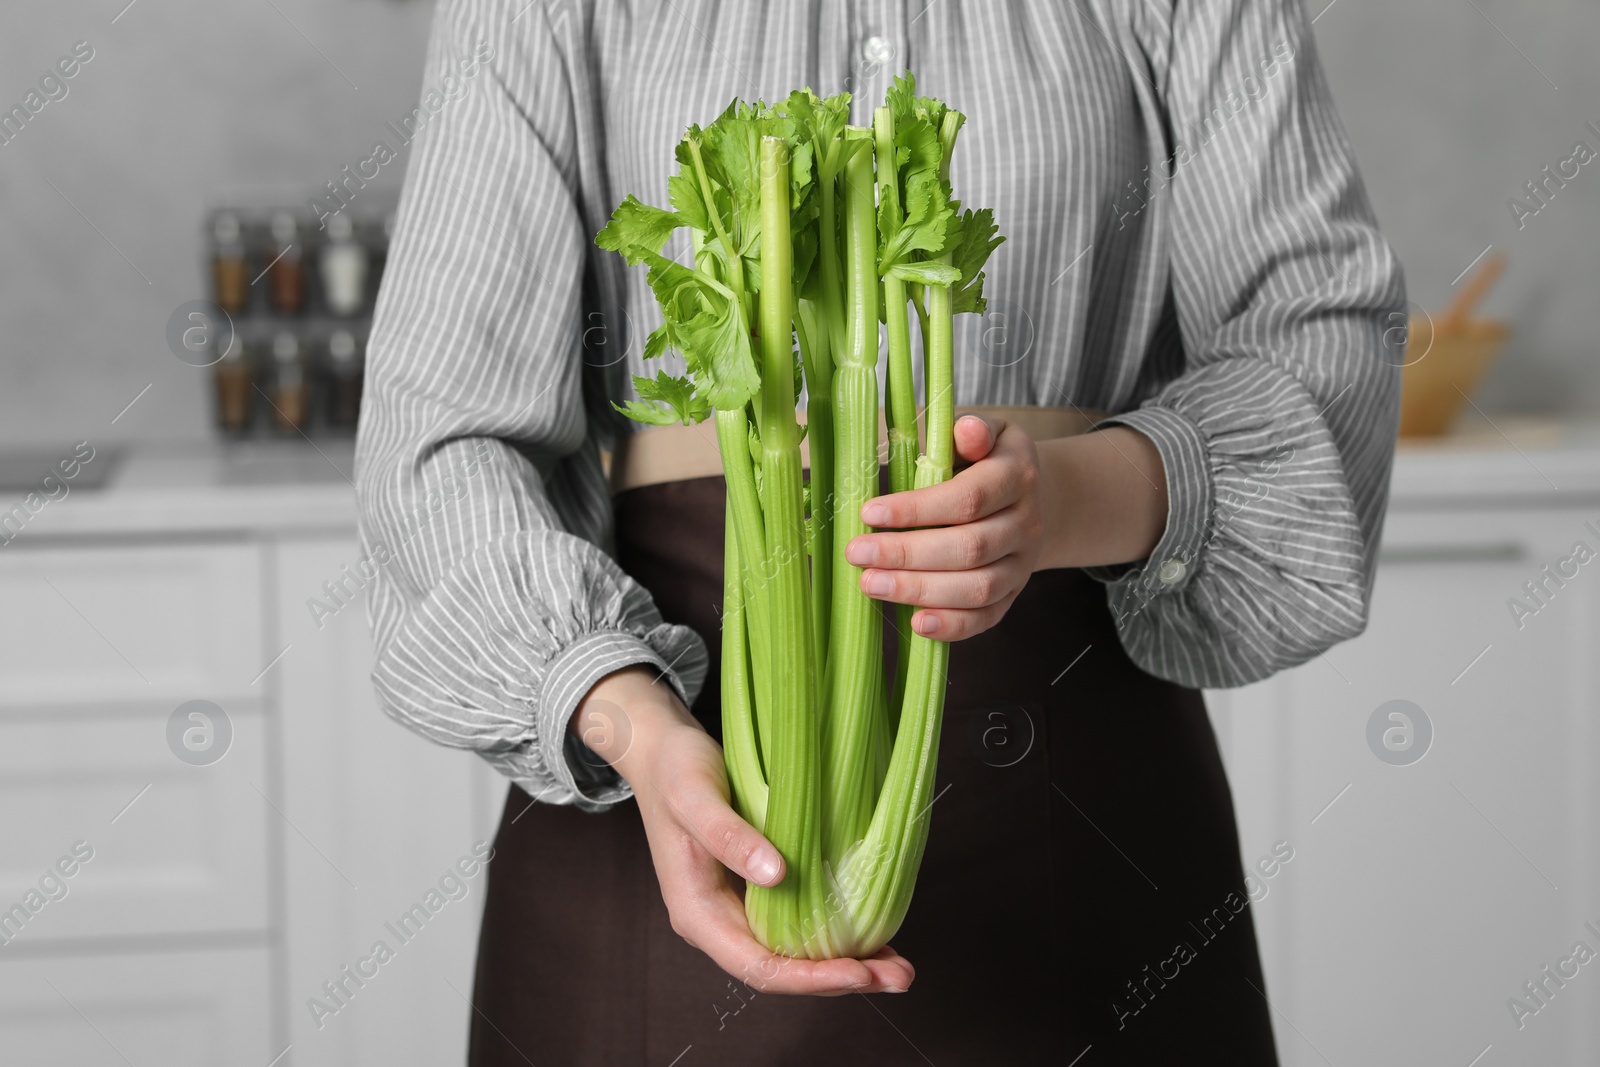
1190	246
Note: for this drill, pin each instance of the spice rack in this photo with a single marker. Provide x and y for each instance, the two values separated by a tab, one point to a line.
299	287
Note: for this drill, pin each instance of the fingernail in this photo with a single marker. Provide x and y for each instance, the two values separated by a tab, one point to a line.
861	552
877	583
874	514
894	989
764	866
928	624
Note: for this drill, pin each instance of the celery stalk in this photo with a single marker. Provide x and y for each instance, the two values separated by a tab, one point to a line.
795	222
902	387
794	798
855	669
745	774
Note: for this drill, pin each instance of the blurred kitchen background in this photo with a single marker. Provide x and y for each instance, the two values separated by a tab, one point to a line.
1434	779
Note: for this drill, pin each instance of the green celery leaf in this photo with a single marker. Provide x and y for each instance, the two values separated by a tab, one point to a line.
731	148
979	237
929	211
917	215
918	147
903	99
656	345
821	124
684	192
704	322
901	96
637	228
801	157
664	400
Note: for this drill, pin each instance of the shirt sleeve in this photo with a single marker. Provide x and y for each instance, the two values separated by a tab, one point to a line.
1278	434
483	504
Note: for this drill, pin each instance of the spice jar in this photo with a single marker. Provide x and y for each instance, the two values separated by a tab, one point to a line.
235	382
287	274
291	394
344	268
230	273
344	380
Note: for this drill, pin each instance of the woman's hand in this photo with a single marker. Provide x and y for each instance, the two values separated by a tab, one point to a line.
1016	507
681	785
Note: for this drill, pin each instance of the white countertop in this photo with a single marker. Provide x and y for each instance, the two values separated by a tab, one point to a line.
1509	461
274	488
210	488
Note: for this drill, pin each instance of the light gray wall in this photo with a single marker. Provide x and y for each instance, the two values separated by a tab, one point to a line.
185	96
1449	121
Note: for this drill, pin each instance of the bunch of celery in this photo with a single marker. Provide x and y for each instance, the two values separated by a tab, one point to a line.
805	233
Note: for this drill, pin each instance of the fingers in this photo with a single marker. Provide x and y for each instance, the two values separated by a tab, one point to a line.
956	604
735	951
951	548
945	624
730	840
967	569
892	963
695	839
974	493
976	435
712	920
976	588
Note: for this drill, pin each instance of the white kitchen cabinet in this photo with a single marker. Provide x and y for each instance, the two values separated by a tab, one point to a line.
193	1008
98	645
375	819
178	850
1422	896
219	897
130	622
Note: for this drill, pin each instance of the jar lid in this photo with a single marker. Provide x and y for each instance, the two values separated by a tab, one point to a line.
226	228
283	227
342	346
285	347
340	228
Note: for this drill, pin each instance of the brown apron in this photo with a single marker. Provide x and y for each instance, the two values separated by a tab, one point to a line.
1083	831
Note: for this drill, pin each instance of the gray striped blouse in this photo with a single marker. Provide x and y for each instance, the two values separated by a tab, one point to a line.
1189	245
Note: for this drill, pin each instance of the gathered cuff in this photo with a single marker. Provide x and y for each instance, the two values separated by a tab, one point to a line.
499	656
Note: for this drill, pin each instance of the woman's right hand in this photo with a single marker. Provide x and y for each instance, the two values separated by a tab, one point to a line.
681	785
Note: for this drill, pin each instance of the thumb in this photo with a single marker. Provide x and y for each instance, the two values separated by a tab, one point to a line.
976	436
735	843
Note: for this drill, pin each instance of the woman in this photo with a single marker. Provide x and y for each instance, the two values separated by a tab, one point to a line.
1190	249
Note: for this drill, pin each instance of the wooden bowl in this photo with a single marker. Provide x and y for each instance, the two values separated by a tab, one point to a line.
1442	370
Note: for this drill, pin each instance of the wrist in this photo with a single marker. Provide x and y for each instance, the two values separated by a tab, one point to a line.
1103	498
624	715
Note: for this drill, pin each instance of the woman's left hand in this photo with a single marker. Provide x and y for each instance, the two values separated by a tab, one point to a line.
964	575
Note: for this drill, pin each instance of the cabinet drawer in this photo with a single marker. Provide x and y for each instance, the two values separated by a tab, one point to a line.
177	848
164	623
178	1009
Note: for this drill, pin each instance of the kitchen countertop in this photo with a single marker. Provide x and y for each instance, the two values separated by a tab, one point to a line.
270	488
1511	460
